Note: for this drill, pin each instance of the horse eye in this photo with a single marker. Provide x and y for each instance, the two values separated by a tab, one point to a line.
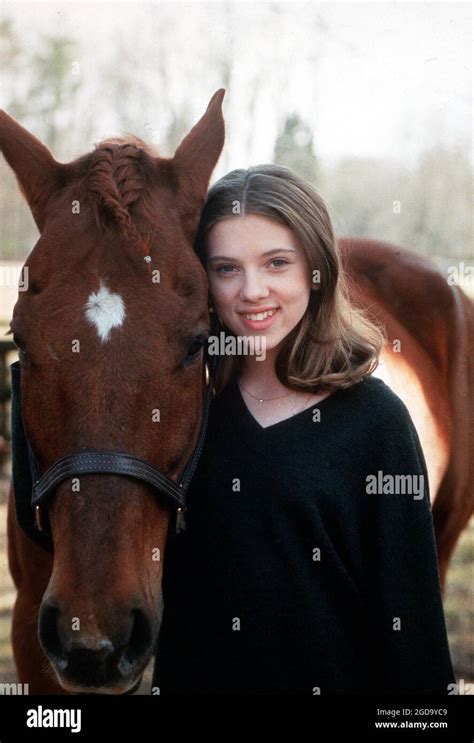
194	349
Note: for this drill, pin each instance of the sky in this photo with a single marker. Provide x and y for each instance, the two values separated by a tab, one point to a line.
372	79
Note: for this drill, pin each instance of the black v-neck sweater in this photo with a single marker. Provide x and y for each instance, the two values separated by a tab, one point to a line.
291	577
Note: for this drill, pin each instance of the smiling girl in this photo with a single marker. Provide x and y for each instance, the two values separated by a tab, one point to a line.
293	576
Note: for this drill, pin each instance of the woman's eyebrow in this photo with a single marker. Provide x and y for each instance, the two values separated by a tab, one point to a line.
267	252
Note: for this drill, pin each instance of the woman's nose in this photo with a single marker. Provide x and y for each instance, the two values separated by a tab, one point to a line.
253	287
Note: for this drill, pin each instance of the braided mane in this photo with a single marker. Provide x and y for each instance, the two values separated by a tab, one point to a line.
116	177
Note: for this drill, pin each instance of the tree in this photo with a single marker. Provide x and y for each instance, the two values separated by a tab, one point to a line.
294	148
11	66
54	87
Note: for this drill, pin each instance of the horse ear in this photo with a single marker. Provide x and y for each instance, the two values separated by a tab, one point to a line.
37	172
196	158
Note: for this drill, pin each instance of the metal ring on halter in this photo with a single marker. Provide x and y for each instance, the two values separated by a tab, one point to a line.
38	518
207	376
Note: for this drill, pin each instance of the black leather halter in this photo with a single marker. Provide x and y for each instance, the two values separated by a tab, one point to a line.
39	485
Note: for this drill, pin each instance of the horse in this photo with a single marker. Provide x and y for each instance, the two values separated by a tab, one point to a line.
428	324
102	573
110	335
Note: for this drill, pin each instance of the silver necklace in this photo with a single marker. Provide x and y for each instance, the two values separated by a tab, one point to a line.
265	399
262	399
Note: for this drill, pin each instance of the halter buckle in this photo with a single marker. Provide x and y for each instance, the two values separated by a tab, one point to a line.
180	520
38	518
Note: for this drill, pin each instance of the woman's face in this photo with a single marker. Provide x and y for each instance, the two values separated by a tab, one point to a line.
259	277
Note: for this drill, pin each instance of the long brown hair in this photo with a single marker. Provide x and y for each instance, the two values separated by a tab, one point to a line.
334	345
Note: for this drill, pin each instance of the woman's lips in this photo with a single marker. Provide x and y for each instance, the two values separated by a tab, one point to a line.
259	324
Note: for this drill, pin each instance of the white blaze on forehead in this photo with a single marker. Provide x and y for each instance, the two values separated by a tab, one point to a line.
105	310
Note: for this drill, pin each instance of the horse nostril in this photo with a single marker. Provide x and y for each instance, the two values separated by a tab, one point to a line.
48	634
139	645
92	660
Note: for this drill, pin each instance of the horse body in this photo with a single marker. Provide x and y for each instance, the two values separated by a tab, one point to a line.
429	328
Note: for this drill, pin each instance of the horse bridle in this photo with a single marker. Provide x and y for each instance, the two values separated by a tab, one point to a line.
117	463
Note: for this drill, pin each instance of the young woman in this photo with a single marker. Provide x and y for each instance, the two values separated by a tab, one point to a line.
296	574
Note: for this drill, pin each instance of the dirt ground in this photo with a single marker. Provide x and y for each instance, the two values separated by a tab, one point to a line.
459	607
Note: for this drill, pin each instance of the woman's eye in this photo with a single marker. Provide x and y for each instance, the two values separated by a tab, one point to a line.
276	262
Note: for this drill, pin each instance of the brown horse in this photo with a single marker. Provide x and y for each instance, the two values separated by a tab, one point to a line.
429	325
101	571
110	334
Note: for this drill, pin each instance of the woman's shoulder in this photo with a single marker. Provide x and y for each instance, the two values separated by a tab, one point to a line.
373	392
377	408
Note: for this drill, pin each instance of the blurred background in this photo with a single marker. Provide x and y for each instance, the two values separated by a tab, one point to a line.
372	102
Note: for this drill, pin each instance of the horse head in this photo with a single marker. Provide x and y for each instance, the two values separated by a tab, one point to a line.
110	332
